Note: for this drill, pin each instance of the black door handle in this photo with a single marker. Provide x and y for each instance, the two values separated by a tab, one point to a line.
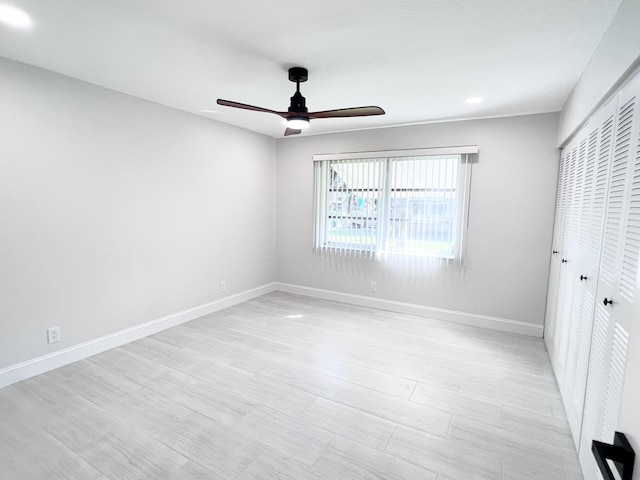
583	277
564	260
620	453
607	302
554	251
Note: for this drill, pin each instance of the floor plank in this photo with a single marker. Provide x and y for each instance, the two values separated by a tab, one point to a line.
289	387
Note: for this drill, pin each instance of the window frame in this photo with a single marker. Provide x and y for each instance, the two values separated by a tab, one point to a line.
379	249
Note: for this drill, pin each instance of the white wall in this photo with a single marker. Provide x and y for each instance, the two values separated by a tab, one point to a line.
511	219
115	211
616	54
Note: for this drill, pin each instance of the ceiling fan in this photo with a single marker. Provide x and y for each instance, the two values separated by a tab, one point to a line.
298	116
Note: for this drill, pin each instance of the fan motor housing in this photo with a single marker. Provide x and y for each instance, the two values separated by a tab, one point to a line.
298	103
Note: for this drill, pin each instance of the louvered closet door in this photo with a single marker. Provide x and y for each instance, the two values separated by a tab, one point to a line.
554	273
617	282
575	264
595	152
567	285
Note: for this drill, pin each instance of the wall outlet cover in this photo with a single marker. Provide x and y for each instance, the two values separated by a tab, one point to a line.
53	334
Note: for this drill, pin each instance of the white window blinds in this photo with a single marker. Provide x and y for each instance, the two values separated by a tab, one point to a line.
377	204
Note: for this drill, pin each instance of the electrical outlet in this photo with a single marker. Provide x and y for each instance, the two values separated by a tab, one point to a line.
53	334
373	287
223	286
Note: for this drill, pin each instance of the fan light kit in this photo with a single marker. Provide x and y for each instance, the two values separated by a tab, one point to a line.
298	116
298	123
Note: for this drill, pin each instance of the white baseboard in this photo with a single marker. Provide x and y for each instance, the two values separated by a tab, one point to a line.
472	319
45	363
38	365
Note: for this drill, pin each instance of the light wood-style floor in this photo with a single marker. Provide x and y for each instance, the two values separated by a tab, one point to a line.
287	387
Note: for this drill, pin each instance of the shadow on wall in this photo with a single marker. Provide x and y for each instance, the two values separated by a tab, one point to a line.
417	271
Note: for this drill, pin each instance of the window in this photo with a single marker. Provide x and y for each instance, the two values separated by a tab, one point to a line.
411	202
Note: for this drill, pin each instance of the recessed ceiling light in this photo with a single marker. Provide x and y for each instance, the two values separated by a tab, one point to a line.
474	100
209	111
14	17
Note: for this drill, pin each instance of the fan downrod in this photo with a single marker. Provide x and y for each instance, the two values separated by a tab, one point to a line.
298	74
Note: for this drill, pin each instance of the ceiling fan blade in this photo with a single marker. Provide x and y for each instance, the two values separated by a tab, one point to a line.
291	131
347	112
244	106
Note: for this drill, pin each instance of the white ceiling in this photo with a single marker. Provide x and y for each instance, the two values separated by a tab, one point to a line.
417	59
